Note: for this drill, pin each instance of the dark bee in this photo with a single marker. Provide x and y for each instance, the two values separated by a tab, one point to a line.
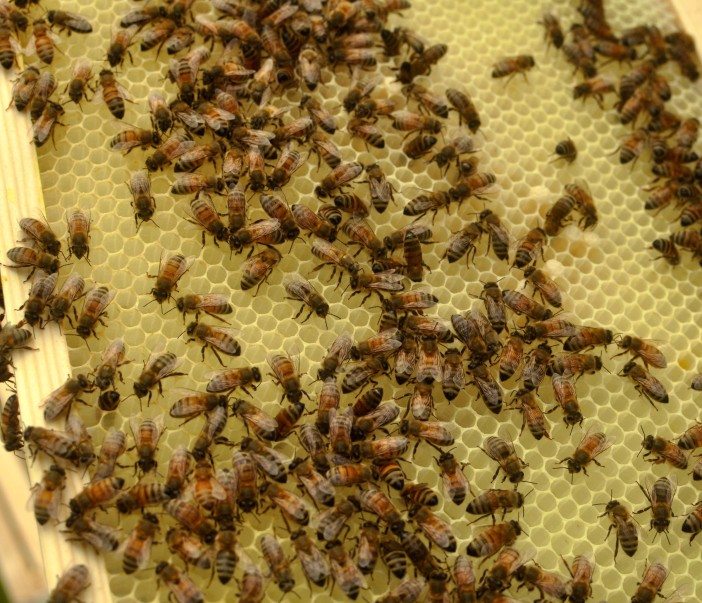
646	384
532	576
137	548
78	234
552	29
544	285
96	302
660	497
113	446
465	108
511	66
172	148
24	87
339	176
421	64
63	397
419	145
503	452
160	113
218	339
663	451
143	201
72	582
558	215
499	237
159	366
180	584
626	527
463	242
668	250
37	299
101	537
11	425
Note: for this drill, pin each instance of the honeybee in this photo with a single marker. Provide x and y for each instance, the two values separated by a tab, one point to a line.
70	291
587	451
42	42
37	299
9	46
39	101
392	554
453	376
99	536
191	406
511	66
74	580
146	436
463	242
369	550
553	33
416	495
338	177
584	203
189	515
24	87
336	355
137	548
437	530
558	215
96	494
45	123
493	538
436	104
627	532
325	150
650	387
143	201
329	397
47	494
424	562
488	388
189	548
181	586
112	359
170	271
419	145
660	499
491	501
331	521
277	563
691	439
511	356
654	577
10	424
453	479
407	121
668	250
693	522
263	425
290	504
641	348
42	234
663	451
547	583
318	487
579	588
142	495
172	148
546	287
232	378
300	289
421	63
376	502
94	308
433	432
159	366
503	452
218	339
161	115
253	584
211	304
344	571
187	184
113	93
55	444
532	415
499	576
63	397
78	233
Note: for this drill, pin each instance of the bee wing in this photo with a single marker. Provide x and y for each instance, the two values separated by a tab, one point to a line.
105	301
30	49
341	347
168	368
370	84
134	423
257	138
183	268
680	594
315	564
56	402
261	228
652	355
290	503
261	420
212	338
192	120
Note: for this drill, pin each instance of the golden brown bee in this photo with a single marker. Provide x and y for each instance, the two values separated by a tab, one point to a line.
159	366
489	542
277	563
511	356
392	554
209	303
419	146
436	529
693	522
73	581
178	470
82	74
433	432
286	375
325	150
318	487
259	422
170	271
566	397
96	494
536	366
143	201
232	378
454	481
511	66
574	364
464	106
62	397
290	504
453	376
532	415
11	424
137	548
299	129
646	384
44	87
336	355
161	116
588	337
626	527
584	203
253	583
508	561
691	439
172	148
338	177
668	250
265	232
407	121
42	42
419	495
660	497
664	451
329	397
412	300
218	339
615	50
319	115
331	521
113	93
553	33
558	215
181	586
587	451
288	162
113	446
310	66
491	501
546	287
381	416
9	46
654	577
96	302
363	373
146	436
580	585
120	42
391	473
37	299
191	406
142	495
633	145
374	501
344	571
384	343
330	254
47	494
503	452
24	87
205	214
183	73
369	549
547	583
97	535
46	122
78	234
187	184
189	515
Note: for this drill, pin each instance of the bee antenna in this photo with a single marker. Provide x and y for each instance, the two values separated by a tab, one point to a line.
167	311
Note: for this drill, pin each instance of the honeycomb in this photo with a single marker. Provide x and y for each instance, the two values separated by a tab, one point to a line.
607	276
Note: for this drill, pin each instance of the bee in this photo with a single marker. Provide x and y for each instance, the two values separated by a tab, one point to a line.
75	579
37	299
566	397
588	337
453	377
412	300
422	63
113	94
187	184
374	501
232	378
63	397
181	586
463	242
286	375
263	425
587	451
633	145
325	150
211	304
42	234
691	439
558	215
330	254
191	406
319	115
381	344
314	564
511	66
112	359
39	103
46	122
511	356
532	415
277	563
299	129
369	549
660	499
172	148
288	162
10	424
508	561
291	505
252	585
663	451
169	273
491	501
338	177
43	42
218	339
25	85
419	145
189	515
419	495
406	121
269	460
310	66
246	481
94	308
318	487
363	373
78	233
693	522
47	494
340	424
96	494
627	533
647	385
580	585
392	554
499	237
159	366
547	583
503	452
531	245
9	46
553	33
488	388
641	348
668	250
584	203
97	535
358	91
436	529
454	481
654	577
381	416
433	432
424	562
493	538
546	287
189	548
161	116
178	471
263	231
143	201
329	397
142	495
137	548
344	571
183	73
336	355
331	521
299	289
146	436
